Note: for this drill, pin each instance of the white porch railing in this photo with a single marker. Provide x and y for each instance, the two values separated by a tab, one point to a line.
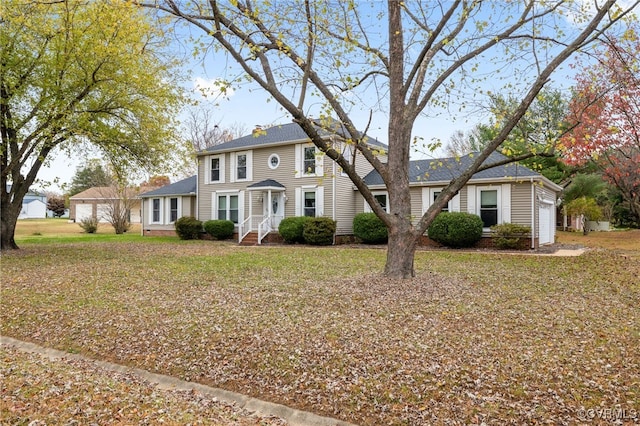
264	228
262	224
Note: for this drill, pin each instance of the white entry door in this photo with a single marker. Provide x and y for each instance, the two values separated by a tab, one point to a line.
546	223
277	208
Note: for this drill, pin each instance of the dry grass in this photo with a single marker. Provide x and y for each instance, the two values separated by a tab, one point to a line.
37	391
627	240
474	338
46	228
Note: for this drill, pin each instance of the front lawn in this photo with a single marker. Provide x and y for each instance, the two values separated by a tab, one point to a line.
475	337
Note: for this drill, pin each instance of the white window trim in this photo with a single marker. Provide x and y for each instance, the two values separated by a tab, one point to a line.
207	170
179	212
504	201
367	207
160	211
234	171
271	166
427	199
214	203
299	157
299	199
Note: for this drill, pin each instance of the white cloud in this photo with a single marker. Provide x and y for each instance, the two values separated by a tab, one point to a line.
213	88
580	12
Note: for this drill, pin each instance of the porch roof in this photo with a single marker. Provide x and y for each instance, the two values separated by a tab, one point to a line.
271	184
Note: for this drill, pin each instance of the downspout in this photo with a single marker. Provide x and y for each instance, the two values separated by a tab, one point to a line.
533	215
142	217
196	214
333	195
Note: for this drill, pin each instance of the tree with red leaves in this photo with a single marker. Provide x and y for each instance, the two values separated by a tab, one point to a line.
606	108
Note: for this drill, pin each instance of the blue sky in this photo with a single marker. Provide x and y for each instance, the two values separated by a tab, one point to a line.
248	105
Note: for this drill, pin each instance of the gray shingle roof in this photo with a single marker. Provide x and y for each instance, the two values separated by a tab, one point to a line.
267	183
182	187
273	135
446	169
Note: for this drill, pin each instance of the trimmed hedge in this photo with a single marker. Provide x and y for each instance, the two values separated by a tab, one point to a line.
291	229
456	229
219	229
369	228
509	235
319	231
188	228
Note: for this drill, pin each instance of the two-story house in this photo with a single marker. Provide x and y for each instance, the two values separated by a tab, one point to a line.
259	179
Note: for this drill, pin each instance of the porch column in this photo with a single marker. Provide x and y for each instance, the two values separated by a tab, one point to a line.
269	209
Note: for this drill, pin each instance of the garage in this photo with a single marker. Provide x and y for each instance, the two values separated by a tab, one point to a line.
84	211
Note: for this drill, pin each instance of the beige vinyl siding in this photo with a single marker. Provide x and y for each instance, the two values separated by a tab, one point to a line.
187	205
463	199
416	204
521	203
346	203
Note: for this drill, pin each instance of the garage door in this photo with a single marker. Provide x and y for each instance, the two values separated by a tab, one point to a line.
545	222
84	211
104	212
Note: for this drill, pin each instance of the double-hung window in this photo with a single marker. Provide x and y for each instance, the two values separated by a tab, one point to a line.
228	207
489	207
215	169
173	209
309	161
241	166
435	194
310	203
156	210
383	200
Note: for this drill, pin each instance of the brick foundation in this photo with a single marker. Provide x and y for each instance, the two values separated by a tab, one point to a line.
159	233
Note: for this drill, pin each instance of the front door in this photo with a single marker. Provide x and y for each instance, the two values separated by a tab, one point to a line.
276	209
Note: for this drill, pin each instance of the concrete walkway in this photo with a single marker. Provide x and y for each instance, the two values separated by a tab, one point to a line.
566	252
259	407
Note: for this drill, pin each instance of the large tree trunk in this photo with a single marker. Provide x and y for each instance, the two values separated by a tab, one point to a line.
400	253
402	241
9	218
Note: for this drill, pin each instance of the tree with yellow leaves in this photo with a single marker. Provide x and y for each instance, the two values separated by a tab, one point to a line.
79	73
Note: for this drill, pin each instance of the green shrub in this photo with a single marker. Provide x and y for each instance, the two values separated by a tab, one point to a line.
89	225
219	229
319	231
509	235
188	228
369	228
292	228
456	229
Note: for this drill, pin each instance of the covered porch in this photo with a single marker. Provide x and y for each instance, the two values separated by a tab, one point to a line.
271	194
